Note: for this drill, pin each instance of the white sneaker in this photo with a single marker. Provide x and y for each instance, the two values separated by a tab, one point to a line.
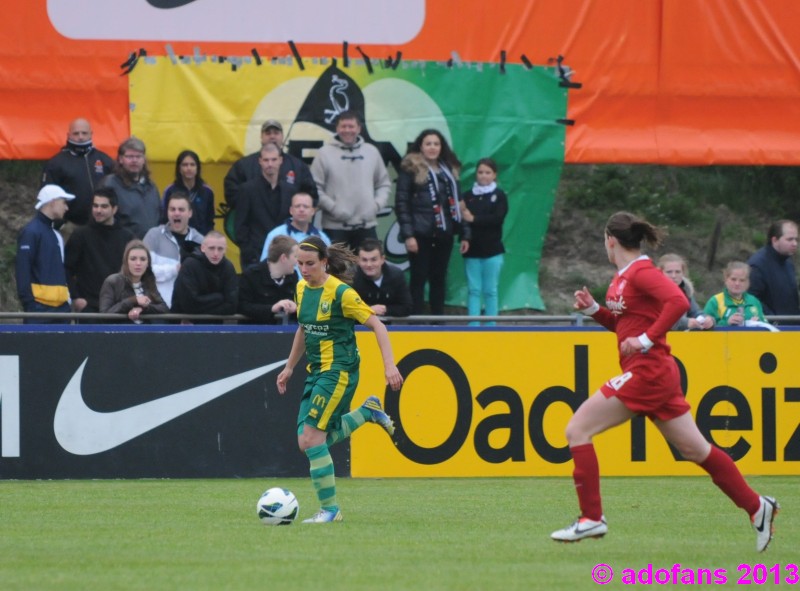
762	521
323	516
582	528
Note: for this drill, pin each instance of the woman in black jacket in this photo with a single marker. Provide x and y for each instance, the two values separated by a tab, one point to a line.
429	215
201	196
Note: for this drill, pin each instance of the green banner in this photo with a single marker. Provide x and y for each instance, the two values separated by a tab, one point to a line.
510	114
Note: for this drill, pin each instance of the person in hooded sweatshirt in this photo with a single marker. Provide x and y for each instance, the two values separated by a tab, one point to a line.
352	183
207	282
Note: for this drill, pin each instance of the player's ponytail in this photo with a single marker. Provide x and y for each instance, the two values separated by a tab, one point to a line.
631	231
340	260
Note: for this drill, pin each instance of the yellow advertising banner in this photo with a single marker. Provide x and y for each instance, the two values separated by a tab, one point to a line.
496	403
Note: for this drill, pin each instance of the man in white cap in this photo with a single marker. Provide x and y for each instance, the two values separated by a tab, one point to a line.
41	277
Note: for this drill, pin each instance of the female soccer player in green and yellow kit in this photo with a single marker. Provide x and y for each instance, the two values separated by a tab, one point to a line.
327	310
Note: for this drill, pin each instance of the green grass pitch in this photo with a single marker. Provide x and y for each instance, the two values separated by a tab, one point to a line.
425	534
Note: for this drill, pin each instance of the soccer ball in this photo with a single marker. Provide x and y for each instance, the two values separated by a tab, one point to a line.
277	506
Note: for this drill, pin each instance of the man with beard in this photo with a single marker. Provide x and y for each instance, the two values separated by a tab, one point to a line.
94	252
139	201
169	244
79	169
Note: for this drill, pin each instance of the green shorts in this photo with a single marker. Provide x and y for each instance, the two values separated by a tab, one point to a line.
326	397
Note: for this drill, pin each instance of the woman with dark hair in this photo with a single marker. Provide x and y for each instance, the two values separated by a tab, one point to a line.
133	290
642	304
484	208
201	197
429	215
327	310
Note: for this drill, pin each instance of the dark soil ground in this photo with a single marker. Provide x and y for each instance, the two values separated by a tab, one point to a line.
574	256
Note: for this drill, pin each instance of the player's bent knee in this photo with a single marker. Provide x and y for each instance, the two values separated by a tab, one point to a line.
576	435
694	452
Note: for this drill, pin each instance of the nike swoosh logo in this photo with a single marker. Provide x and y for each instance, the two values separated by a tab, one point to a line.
83	431
578	529
760	528
169	3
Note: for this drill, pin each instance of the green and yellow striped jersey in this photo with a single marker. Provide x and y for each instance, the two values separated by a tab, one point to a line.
328	315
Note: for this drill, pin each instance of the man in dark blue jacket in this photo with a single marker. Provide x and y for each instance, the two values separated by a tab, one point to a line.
41	277
772	276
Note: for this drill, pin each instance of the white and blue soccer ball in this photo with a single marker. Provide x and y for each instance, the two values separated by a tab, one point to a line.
277	506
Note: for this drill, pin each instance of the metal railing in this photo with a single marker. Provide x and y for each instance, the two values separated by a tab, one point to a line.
574	320
170	318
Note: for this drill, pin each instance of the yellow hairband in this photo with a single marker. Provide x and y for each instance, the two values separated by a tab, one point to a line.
309	244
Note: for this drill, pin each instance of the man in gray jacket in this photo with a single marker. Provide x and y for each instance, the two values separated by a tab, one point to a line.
352	182
139	202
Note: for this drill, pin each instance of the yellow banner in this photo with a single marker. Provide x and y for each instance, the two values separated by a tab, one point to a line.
497	403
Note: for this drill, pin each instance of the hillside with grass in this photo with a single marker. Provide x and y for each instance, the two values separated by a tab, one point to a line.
713	215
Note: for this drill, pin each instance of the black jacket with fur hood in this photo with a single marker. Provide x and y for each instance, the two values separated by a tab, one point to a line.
413	204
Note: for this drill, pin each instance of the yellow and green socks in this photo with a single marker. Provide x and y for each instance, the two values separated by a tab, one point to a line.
350	422
322	476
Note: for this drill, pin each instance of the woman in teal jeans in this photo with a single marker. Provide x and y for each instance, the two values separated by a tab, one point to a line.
484	208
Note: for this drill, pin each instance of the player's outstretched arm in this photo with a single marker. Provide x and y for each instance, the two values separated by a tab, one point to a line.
392	374
298	348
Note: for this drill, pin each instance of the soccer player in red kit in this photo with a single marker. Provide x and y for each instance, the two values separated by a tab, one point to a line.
641	305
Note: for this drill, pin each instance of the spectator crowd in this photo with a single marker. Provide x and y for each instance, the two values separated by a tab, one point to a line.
104	239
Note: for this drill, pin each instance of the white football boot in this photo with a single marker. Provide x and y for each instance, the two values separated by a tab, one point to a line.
762	521
582	528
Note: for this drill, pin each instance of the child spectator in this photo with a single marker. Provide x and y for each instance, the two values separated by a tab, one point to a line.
734	306
484	208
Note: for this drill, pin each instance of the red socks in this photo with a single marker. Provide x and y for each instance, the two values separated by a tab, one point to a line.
718	464
586	477
727	477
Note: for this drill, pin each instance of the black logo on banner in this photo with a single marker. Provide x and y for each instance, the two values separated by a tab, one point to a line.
169	3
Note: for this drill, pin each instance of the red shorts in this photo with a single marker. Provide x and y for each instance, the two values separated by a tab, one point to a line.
655	394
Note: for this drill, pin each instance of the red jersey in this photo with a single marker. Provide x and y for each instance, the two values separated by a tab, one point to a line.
642	300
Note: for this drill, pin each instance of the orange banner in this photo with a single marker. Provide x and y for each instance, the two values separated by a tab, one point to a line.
673	82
